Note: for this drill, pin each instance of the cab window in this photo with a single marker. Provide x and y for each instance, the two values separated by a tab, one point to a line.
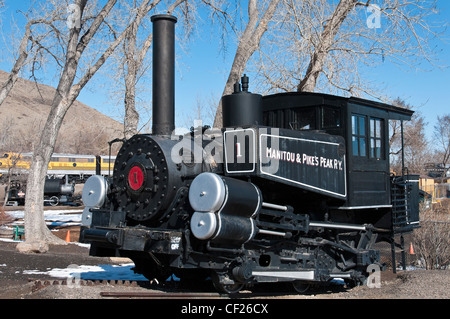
303	119
376	138
359	135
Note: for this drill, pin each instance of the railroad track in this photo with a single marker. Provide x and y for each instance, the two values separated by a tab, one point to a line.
169	290
161	295
168	294
42	283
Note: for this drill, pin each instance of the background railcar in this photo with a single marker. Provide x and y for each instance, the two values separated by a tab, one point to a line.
63	172
77	167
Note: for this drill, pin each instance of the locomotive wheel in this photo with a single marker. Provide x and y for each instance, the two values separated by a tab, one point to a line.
300	286
225	288
54	200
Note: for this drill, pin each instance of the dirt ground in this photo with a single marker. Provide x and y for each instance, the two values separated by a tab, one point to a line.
416	284
15	284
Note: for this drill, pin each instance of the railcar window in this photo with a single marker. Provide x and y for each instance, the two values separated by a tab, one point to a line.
359	135
331	117
376	150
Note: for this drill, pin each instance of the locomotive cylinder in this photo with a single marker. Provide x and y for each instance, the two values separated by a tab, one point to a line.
224	208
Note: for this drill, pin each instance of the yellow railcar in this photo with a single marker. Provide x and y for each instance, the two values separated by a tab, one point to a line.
75	165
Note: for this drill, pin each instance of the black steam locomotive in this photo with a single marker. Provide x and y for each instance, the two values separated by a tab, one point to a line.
56	191
296	187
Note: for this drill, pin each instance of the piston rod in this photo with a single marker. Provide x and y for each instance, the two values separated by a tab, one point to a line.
271	232
338	226
274	206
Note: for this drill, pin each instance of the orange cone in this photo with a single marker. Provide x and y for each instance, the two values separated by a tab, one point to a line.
411	249
68	236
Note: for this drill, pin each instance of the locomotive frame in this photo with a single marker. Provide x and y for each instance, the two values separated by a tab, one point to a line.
296	188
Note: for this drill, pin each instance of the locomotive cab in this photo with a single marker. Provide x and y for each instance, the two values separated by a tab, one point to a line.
364	125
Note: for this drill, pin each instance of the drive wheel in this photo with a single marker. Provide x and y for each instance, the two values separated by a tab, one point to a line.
301	286
225	288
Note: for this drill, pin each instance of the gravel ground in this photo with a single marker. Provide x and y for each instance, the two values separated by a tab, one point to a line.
418	284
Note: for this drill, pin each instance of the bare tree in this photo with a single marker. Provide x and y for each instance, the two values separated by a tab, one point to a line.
442	139
24	51
203	112
38	235
14	74
416	147
13	144
12	161
134	55
432	239
325	46
248	43
133	59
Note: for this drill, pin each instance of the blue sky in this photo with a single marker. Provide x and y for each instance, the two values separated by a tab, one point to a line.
202	72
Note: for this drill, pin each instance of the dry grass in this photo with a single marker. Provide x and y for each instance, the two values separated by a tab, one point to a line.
432	240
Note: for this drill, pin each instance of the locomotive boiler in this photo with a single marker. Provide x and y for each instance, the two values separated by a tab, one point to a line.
296	187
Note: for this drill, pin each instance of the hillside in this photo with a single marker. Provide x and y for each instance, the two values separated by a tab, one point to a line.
25	111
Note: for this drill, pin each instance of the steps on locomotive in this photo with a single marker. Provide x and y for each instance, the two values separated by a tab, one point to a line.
401	198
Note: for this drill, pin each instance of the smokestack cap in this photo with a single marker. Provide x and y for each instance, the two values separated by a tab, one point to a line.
163	16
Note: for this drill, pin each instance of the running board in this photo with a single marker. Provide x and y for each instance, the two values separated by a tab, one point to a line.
284	275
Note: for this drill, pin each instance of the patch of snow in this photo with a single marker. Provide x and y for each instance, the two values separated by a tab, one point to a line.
99	272
9	240
63	217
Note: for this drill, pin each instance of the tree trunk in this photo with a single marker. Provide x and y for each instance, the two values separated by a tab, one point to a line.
308	83
131	115
248	44
37	234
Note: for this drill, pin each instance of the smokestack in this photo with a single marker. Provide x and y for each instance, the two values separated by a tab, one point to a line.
163	74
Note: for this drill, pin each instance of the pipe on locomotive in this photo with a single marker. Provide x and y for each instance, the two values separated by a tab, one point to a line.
163	94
